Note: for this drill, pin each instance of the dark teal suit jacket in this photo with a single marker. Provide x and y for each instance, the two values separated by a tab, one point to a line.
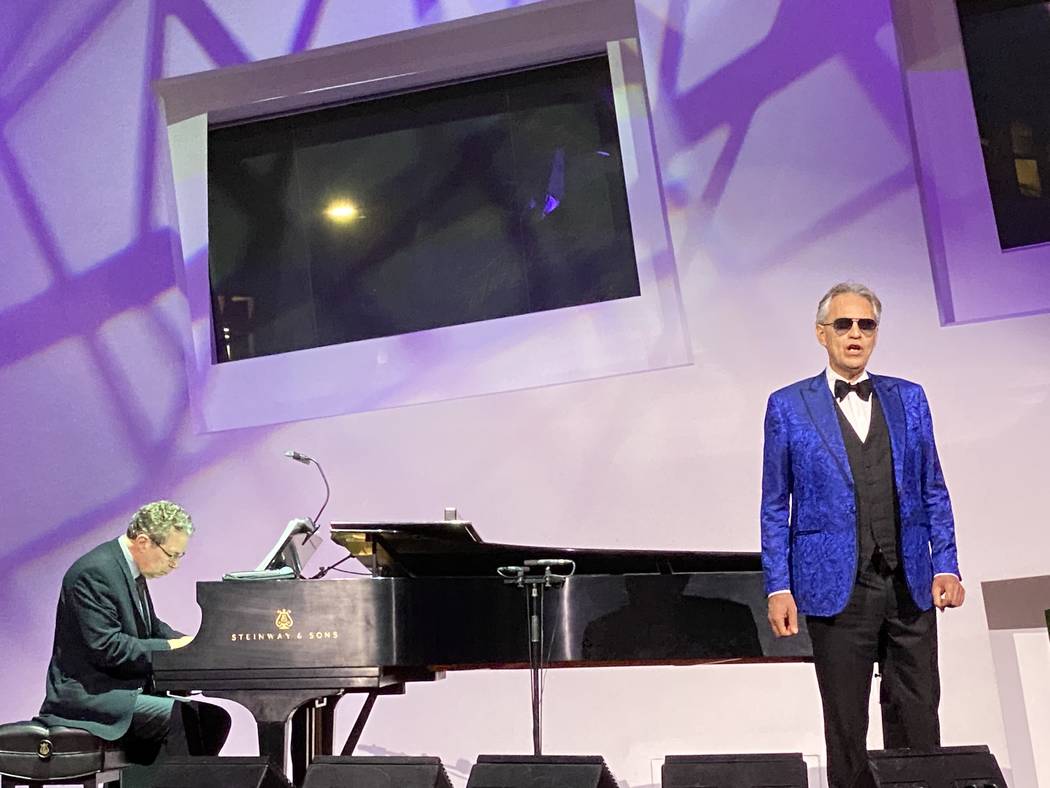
103	651
809	518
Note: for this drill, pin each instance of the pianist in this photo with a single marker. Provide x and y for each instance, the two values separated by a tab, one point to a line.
106	631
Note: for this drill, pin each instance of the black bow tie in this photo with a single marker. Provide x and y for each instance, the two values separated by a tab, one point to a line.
862	389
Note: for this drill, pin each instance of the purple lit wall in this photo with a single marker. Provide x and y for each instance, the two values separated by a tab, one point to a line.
787	165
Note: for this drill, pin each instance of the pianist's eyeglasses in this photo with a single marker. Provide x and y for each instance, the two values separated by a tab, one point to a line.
172	557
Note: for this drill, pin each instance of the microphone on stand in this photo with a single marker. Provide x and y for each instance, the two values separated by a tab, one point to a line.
305	460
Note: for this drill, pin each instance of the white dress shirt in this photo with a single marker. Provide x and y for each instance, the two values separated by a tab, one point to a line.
856	410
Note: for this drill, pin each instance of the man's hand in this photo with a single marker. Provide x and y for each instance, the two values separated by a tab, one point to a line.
948	591
180	642
783	615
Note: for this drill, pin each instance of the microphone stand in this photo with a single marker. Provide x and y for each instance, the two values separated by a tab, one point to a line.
315	523
534	586
327	496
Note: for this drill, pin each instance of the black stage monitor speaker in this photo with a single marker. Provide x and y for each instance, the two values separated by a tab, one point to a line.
371	772
758	770
200	772
540	771
947	767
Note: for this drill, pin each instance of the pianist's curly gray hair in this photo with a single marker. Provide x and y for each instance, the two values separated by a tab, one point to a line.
158	519
848	287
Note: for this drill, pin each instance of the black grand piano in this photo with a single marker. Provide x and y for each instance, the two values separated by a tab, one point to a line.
287	650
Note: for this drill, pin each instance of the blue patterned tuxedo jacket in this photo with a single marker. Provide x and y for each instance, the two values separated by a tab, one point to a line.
809	527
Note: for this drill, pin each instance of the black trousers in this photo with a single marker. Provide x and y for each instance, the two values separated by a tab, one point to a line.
880	624
193	728
197	728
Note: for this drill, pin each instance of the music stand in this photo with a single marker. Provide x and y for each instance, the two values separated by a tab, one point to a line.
289	554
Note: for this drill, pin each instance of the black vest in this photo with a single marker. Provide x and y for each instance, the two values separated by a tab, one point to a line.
878	516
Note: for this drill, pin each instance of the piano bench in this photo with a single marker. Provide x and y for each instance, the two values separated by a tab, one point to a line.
34	755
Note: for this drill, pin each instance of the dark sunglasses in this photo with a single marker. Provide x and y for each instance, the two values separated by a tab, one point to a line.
867	325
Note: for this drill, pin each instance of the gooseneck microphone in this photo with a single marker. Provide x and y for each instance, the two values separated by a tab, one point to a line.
305	460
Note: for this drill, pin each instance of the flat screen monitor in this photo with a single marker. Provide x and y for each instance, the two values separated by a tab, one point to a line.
496	196
1007	45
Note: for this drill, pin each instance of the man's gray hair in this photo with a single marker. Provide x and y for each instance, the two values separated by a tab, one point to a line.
158	519
848	287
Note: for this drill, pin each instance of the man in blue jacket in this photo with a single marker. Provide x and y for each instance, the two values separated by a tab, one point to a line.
858	536
106	632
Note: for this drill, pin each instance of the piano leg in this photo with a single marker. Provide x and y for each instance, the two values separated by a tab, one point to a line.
313	732
272	711
273	740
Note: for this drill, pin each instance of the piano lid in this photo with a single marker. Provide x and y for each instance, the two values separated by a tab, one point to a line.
453	548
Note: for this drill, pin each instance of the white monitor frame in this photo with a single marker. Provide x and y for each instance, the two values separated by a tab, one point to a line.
523	351
974	278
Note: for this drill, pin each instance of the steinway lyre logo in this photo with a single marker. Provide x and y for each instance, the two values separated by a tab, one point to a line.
284	620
